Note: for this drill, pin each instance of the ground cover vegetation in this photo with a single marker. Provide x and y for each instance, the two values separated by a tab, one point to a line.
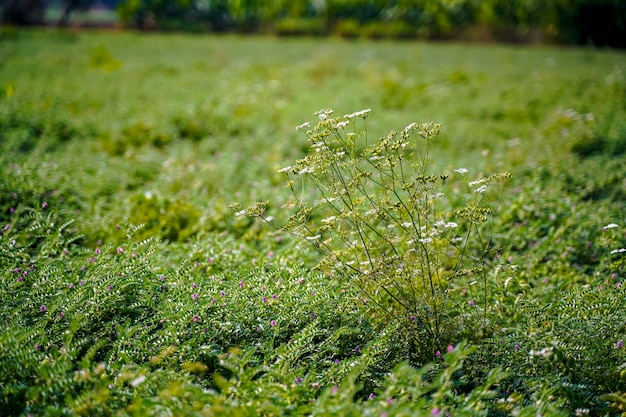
448	239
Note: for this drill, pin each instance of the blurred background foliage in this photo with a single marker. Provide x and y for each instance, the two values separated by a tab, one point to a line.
597	22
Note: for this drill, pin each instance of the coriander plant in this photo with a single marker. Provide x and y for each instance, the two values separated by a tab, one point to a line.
382	218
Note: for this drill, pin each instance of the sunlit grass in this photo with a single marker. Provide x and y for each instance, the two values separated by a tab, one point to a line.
117	129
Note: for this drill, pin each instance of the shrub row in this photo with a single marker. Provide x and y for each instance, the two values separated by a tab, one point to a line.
601	22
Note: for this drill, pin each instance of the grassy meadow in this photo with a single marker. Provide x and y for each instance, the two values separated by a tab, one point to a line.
129	286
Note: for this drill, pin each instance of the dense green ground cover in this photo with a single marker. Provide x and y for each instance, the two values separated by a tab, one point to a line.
128	286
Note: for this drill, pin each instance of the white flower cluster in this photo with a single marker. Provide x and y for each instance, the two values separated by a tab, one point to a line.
545	352
473	183
461	171
449	225
362	113
303	126
409	127
324	113
481	189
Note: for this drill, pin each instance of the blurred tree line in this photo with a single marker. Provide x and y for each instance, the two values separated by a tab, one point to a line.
33	12
600	22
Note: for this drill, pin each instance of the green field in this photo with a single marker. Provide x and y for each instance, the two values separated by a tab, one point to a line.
128	285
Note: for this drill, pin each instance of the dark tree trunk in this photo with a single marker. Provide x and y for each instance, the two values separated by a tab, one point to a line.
70	6
23	12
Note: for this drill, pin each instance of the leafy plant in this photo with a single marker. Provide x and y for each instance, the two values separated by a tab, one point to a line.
380	217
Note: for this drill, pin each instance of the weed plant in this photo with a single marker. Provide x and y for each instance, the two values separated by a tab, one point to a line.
380	216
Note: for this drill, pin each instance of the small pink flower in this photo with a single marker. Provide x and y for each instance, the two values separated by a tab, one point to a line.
71	286
195	318
194	296
450	348
213	301
61	315
437	354
371	396
222	293
194	285
471	303
211	260
273	323
315	384
44	205
43	308
270	254
335	389
120	250
435	411
619	344
357	349
241	284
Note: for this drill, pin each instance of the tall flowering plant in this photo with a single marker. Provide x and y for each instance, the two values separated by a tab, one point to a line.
379	216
